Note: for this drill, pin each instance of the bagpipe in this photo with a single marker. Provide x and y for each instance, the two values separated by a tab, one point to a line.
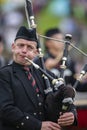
60	97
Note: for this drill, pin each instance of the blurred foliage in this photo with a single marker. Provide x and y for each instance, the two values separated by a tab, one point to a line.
46	20
2	2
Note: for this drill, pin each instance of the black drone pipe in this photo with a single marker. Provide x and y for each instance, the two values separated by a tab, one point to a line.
63	66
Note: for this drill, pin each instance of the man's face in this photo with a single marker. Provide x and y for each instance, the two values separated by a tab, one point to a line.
55	47
23	48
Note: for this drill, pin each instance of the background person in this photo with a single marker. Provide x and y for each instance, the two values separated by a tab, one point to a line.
54	54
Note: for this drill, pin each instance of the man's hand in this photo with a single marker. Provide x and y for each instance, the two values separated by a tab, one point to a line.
66	119
48	125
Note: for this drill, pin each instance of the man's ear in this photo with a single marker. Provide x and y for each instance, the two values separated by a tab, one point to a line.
36	52
12	47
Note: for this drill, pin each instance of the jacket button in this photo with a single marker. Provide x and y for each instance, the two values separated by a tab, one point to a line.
38	95
27	117
22	123
40	113
35	113
39	103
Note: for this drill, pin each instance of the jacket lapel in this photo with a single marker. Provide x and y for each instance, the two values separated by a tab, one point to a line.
27	85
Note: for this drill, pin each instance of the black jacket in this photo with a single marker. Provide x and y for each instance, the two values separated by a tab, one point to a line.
18	102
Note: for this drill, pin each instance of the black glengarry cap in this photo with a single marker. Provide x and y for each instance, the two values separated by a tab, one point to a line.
27	34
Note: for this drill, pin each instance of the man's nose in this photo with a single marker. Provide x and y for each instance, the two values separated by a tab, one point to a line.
24	49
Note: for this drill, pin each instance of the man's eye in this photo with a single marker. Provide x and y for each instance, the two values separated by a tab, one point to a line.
30	47
20	45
